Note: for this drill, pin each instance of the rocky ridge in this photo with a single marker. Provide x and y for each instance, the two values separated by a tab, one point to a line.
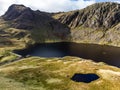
98	23
105	15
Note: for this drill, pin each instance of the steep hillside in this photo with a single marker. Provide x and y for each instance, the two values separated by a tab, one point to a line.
34	26
98	23
99	15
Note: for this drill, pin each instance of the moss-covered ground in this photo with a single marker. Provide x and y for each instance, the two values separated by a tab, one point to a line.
37	73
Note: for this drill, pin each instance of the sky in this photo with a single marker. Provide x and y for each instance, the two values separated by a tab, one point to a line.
51	5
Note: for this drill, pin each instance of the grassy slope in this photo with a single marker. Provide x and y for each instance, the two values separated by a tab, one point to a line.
11	38
9	84
102	37
55	73
6	56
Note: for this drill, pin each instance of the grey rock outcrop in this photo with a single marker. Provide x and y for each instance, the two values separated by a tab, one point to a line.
99	15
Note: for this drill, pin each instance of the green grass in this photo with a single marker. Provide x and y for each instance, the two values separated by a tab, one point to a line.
10	84
55	74
36	73
6	55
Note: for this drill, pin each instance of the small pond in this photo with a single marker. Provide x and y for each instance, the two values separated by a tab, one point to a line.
98	53
86	78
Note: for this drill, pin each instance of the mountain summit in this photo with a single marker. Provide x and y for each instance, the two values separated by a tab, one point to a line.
98	23
14	11
35	25
24	18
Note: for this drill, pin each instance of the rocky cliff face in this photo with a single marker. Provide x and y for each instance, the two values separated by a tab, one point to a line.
23	17
98	23
100	15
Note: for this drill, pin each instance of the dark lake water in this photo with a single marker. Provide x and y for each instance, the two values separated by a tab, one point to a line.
98	53
87	78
